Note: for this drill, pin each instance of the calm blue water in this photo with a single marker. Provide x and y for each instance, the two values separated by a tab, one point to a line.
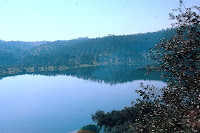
59	104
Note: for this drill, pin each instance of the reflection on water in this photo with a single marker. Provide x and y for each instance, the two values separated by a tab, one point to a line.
107	74
60	104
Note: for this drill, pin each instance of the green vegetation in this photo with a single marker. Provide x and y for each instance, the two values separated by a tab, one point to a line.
89	129
109	50
11	52
52	46
174	108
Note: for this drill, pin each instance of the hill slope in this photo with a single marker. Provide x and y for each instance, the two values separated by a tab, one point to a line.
110	50
11	52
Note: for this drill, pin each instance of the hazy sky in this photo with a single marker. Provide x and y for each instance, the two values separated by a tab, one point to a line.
37	20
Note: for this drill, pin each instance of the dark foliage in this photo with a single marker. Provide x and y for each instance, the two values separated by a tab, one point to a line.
174	108
115	121
114	118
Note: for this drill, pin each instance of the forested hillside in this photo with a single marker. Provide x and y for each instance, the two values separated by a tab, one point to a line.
52	46
109	50
11	52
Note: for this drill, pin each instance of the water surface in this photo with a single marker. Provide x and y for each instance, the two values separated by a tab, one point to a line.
58	104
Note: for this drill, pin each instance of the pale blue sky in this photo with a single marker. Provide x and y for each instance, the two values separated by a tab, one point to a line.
38	20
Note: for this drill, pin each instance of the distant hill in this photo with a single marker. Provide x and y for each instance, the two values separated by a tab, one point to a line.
109	50
11	52
52	46
16	45
51	53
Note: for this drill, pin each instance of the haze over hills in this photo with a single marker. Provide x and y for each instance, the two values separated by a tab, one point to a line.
11	52
109	50
48	47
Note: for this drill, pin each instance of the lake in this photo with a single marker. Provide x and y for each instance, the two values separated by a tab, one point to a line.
49	103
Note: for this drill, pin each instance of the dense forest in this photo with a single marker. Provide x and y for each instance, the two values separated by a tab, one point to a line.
109	50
